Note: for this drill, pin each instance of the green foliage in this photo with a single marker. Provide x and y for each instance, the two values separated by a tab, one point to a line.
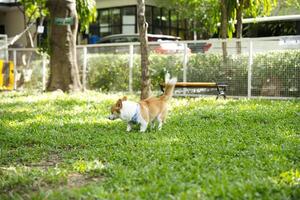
34	9
87	13
206	13
86	10
82	166
203	13
59	146
283	66
291	177
110	72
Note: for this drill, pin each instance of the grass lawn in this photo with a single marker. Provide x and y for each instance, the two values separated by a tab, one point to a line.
57	146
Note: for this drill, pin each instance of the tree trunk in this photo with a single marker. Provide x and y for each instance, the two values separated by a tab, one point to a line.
64	73
239	26
224	24
145	82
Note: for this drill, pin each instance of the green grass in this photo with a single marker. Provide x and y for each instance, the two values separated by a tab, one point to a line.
57	146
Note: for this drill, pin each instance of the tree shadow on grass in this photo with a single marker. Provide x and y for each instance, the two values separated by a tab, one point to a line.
206	143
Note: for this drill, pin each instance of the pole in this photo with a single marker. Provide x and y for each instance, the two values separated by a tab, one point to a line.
130	67
15	68
44	63
250	68
185	61
84	68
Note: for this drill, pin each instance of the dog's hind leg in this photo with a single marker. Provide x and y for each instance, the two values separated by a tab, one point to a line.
152	124
161	119
145	118
160	122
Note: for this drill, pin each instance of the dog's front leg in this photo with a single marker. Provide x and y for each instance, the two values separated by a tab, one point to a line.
143	127
128	127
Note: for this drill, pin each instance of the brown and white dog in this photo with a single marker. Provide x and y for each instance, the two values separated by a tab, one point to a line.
144	112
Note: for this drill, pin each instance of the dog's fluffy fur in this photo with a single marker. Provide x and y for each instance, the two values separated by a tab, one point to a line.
144	112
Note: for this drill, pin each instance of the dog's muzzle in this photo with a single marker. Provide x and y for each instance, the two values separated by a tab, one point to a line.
112	117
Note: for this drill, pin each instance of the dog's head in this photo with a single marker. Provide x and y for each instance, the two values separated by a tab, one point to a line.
116	109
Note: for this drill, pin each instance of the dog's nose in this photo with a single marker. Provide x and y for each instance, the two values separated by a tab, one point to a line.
110	117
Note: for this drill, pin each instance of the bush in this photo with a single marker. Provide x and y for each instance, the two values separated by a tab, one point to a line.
278	69
110	72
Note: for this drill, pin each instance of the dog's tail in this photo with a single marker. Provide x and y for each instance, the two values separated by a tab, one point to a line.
169	88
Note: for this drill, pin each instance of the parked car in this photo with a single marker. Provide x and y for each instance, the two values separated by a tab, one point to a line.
120	38
168	44
167	47
199	47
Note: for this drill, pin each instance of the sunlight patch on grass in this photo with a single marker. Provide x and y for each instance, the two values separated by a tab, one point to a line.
83	166
168	140
56	146
291	177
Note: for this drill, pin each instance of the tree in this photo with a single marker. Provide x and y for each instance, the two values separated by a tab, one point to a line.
32	10
202	16
251	8
224	26
233	10
239	25
285	7
145	79
64	73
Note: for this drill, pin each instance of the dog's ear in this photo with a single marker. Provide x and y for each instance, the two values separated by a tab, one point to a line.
119	103
124	98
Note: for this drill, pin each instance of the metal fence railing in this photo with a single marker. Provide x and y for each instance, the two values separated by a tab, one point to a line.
3	47
264	67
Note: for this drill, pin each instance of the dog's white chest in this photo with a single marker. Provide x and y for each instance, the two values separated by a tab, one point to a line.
129	109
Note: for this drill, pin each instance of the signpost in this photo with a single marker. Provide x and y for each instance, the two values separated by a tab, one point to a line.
63	21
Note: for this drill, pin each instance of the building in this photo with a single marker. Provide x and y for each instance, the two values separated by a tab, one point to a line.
115	17
272	26
11	20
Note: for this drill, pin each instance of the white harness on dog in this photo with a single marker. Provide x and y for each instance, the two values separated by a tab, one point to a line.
135	117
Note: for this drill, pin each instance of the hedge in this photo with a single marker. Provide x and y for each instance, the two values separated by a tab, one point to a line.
110	72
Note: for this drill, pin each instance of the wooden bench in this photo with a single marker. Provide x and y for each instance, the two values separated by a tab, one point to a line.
221	87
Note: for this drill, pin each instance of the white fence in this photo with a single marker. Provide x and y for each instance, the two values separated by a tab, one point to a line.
266	67
3	47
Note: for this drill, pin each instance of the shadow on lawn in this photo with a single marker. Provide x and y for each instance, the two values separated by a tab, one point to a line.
39	138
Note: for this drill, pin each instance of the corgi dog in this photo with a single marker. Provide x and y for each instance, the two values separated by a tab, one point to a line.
144	112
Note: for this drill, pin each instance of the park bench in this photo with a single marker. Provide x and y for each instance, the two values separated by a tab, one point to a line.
221	87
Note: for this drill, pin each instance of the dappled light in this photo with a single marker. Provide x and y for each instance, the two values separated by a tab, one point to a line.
64	144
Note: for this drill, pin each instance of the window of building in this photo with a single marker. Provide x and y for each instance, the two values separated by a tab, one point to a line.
104	20
149	19
165	21
182	28
174	24
129	20
117	20
156	20
2	29
110	21
124	20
